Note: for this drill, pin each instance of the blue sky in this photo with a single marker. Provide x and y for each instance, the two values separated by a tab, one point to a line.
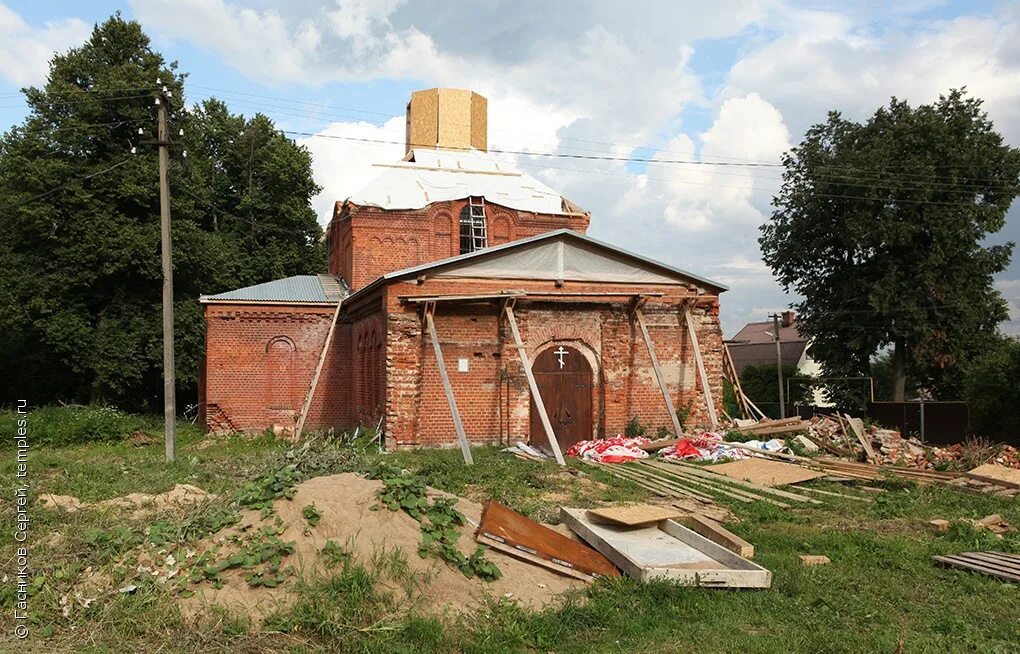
725	81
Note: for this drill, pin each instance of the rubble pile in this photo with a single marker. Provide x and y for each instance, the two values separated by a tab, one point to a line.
892	448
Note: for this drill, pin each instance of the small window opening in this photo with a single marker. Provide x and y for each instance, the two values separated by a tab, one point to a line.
472	226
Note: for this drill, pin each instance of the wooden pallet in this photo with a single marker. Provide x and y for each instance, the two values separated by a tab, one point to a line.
994	564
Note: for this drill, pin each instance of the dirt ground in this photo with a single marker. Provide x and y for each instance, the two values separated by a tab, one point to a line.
344	503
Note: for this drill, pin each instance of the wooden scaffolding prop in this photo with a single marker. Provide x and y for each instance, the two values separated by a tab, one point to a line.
430	324
307	405
640	318
747	407
508	311
692	332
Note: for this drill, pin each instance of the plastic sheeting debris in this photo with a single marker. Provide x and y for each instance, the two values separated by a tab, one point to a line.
618	449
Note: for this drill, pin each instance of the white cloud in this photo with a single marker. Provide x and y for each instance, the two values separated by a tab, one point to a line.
25	51
601	77
343	165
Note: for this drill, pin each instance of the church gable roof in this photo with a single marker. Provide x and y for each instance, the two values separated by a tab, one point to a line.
561	254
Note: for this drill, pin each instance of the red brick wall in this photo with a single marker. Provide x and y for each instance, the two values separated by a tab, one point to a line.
259	363
493	395
367	242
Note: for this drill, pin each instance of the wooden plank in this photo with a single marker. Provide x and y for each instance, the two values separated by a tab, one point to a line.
996	474
532	558
765	424
634	475
458	425
659	444
716	533
701	484
1004	564
768	430
857	425
742	399
766	472
634	515
701	472
819	491
721	487
318	371
975	566
668	551
533	386
521	534
658	373
693	334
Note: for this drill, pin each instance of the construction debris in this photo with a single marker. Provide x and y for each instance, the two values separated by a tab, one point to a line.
995	564
633	516
668	550
766	472
508	531
997	474
811	560
716	533
610	450
939	525
993	523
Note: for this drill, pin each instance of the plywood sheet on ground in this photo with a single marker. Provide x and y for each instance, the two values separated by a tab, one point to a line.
995	472
518	533
632	516
766	472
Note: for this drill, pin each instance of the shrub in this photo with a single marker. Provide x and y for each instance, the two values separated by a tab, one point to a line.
69	425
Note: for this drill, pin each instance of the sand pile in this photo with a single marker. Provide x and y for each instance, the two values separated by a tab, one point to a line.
344	502
180	495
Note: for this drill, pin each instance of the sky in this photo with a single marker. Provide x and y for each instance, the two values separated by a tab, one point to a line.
725	81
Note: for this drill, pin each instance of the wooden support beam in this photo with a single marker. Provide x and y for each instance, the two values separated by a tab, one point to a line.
307	405
448	388
658	372
709	403
716	533
533	385
699	471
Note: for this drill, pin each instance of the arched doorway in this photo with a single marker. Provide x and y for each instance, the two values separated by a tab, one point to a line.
564	379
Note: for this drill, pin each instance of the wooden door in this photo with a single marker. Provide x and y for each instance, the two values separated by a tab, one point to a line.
564	380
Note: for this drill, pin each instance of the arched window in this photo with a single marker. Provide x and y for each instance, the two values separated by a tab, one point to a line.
473	234
280	371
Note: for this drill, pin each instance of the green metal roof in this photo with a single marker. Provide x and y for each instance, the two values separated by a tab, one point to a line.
299	289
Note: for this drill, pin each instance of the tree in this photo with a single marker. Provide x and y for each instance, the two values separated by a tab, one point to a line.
79	222
992	388
761	384
880	227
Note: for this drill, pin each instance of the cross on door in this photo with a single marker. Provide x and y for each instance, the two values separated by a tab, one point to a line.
560	353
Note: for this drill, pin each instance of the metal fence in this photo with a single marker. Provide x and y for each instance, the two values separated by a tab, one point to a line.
935	423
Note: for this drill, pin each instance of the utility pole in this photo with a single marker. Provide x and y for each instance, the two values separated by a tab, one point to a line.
779	363
169	378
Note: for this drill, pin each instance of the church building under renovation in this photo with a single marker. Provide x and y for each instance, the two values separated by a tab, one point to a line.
465	303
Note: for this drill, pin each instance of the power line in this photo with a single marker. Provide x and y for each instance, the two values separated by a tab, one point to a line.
67	184
888	178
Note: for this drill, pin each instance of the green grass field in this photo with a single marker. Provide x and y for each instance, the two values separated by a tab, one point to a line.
881	592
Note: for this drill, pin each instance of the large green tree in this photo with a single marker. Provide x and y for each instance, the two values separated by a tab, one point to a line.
992	384
79	222
880	226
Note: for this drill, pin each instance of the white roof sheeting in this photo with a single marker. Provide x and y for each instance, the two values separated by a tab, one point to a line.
441	175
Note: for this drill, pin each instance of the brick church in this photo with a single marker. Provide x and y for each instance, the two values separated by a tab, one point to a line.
457	286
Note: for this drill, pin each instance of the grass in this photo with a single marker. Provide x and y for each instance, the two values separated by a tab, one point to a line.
881	592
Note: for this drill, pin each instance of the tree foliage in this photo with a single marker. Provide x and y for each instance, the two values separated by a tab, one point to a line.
993	390
880	227
79	222
761	384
